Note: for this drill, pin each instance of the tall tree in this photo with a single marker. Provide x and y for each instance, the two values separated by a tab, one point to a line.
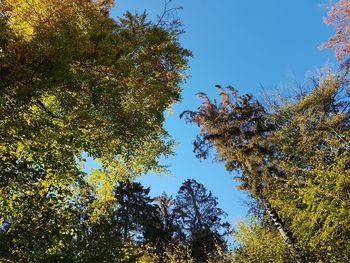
134	210
313	143
72	81
170	230
201	219
288	160
239	131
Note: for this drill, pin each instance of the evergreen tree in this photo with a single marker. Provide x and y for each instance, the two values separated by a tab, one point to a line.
170	231
313	142
134	211
293	161
200	218
239	130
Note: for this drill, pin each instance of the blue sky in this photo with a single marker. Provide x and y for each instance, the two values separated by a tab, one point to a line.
241	43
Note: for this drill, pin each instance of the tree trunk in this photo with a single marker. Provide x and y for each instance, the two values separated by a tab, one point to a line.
287	237
195	206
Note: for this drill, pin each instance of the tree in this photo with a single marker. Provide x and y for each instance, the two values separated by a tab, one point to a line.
339	18
239	131
134	210
257	243
313	138
288	159
170	231
200	218
74	81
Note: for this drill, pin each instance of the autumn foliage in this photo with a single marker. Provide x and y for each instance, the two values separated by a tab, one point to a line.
339	18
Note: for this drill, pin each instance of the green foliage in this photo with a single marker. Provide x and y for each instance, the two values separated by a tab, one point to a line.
293	160
314	156
74	81
257	243
171	253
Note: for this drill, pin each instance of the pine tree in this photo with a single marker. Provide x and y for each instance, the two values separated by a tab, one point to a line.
240	132
200	218
293	161
134	209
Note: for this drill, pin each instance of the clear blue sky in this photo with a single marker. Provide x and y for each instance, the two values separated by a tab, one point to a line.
240	43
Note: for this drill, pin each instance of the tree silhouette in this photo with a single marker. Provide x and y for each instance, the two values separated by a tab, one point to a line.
134	210
200	218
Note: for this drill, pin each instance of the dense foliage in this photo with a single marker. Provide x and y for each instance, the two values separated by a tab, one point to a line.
201	220
135	229
74	82
292	158
294	161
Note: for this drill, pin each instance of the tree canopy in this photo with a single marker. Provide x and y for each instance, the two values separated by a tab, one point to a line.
75	82
292	158
293	161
